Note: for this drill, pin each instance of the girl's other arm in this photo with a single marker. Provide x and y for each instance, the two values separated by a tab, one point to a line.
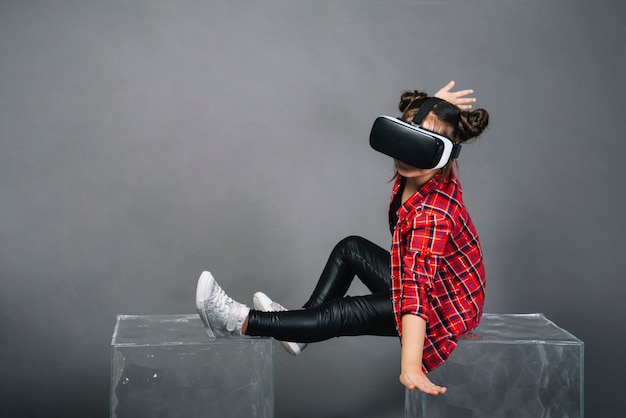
412	376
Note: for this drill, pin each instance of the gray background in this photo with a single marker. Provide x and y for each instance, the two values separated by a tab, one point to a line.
144	141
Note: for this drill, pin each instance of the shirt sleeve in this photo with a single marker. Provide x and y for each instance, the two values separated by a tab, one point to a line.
424	247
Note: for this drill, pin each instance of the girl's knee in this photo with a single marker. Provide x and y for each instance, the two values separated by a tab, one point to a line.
350	242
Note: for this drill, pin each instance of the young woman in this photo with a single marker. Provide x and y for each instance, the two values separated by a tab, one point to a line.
428	289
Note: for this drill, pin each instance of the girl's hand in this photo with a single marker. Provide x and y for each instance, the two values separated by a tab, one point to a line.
456	97
416	379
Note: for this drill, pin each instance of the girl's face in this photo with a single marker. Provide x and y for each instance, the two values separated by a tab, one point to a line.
409	171
419	176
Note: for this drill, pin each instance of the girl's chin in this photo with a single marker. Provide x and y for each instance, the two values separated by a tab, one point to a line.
406	170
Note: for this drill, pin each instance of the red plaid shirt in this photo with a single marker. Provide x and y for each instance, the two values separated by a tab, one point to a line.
437	270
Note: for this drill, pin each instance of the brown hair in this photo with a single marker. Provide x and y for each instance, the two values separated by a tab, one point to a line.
459	125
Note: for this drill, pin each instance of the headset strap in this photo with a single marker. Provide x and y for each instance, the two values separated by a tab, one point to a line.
456	150
424	109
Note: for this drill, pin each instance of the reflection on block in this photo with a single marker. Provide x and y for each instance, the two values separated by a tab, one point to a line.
167	366
510	366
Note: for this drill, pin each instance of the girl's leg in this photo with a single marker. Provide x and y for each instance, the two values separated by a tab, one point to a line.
349	316
327	314
352	256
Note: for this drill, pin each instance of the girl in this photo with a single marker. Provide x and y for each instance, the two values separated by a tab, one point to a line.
428	290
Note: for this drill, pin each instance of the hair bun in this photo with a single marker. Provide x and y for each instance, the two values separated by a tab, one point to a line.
473	123
410	97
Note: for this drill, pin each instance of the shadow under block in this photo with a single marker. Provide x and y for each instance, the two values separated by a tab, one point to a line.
167	366
512	365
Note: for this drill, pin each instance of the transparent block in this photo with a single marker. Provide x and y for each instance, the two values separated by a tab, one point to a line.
512	365
167	366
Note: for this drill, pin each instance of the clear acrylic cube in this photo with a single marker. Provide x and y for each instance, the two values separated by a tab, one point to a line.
512	365
168	366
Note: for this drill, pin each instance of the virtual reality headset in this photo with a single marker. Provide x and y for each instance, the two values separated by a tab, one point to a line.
412	144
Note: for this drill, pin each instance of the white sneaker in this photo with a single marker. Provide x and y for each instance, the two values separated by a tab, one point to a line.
218	312
263	303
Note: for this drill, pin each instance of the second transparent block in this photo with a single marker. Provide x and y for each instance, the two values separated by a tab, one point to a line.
521	366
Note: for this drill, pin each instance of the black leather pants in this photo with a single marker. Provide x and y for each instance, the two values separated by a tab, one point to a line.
329	313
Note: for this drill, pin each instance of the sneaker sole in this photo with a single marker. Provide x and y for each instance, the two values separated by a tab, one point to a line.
205	283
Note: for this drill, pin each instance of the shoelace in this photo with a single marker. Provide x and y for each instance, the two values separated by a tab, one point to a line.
224	302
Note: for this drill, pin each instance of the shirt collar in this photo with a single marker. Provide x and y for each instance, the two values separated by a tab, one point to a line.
417	197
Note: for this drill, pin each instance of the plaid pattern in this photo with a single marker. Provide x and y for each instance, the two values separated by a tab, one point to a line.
437	271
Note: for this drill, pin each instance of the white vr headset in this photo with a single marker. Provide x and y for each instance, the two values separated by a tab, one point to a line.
412	144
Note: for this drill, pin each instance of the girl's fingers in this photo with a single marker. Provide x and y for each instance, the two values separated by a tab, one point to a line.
462	93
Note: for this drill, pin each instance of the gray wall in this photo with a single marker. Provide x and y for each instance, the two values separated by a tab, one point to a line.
144	141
